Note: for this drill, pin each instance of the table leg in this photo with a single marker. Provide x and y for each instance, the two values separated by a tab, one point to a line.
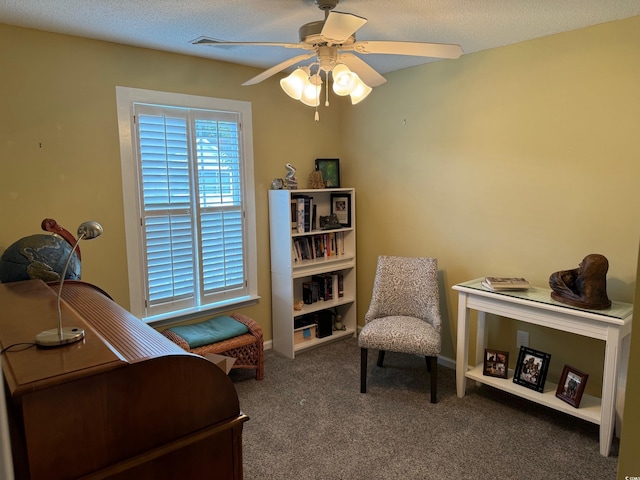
481	340
621	386
609	391
462	354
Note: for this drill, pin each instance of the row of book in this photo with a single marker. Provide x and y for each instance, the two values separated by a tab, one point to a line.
303	213
323	287
321	245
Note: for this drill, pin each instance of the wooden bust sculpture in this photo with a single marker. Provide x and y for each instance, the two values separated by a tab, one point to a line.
585	286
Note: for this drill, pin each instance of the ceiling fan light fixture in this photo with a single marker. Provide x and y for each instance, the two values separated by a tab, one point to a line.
294	84
361	92
344	80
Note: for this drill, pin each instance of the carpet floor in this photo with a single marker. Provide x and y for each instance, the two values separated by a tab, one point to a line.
308	420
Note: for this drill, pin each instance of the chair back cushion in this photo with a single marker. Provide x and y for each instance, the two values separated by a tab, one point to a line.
406	286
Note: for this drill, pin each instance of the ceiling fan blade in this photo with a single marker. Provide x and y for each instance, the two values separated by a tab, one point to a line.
277	68
418	49
363	69
338	26
220	43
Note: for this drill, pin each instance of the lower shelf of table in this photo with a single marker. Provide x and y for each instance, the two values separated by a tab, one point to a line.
315	342
590	407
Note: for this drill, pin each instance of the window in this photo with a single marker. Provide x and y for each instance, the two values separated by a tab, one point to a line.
187	168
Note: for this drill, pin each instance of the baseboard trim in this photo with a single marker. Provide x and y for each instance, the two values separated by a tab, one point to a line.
444	361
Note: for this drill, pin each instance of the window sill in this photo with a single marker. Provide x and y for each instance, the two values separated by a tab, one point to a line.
198	312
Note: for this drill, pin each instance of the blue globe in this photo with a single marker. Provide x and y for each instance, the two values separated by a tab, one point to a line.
38	256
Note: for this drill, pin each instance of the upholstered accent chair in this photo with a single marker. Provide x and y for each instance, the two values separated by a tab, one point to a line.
404	314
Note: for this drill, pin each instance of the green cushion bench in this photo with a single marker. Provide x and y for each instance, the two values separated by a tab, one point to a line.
236	336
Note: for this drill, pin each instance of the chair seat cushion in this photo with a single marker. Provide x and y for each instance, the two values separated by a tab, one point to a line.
401	334
210	331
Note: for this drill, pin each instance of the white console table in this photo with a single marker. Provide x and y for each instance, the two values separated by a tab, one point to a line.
536	306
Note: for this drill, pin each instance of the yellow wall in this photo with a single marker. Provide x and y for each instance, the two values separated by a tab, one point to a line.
629	462
514	161
59	147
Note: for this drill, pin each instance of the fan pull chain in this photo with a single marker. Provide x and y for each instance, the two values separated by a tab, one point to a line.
326	88
317	115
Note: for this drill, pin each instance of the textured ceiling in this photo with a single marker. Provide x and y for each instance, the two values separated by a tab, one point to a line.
171	24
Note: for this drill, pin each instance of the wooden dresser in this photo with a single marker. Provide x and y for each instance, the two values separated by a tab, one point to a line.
124	403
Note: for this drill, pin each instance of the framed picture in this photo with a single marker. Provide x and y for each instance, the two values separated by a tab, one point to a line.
341	206
531	369
571	385
330	168
496	363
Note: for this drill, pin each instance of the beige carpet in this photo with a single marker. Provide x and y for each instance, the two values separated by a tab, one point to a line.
309	421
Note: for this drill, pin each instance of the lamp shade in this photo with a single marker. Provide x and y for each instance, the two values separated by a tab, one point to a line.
311	92
344	80
361	92
293	85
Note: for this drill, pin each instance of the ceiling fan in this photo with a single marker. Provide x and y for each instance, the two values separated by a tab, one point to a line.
331	41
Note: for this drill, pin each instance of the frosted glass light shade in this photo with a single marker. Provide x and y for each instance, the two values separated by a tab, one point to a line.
361	92
344	80
294	84
311	92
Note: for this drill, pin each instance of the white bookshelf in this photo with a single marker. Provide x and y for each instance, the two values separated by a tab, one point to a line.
288	275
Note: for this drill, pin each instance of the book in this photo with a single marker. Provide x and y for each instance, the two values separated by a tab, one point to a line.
300	215
505	283
325	283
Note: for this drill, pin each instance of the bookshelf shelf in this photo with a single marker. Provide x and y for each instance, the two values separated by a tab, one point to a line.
299	257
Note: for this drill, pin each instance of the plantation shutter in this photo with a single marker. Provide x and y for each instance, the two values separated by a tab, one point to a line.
192	210
220	202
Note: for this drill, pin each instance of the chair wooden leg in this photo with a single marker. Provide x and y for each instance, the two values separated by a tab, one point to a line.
432	367
380	358
363	370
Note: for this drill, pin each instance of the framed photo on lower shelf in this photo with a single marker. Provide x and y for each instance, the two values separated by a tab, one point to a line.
571	385
531	369
496	363
341	206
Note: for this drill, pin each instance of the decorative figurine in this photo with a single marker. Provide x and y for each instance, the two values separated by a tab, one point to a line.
585	286
315	179
330	222
298	305
290	180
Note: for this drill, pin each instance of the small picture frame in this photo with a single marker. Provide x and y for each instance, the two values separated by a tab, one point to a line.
496	363
531	369
330	168
341	207
571	385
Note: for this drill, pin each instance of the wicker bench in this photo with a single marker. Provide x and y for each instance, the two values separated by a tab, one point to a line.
247	349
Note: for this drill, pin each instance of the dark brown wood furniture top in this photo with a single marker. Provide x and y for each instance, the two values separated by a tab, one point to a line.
124	403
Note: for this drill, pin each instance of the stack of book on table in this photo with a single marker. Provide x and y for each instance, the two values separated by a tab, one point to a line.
500	284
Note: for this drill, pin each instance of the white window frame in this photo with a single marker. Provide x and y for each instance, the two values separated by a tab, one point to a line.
126	98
